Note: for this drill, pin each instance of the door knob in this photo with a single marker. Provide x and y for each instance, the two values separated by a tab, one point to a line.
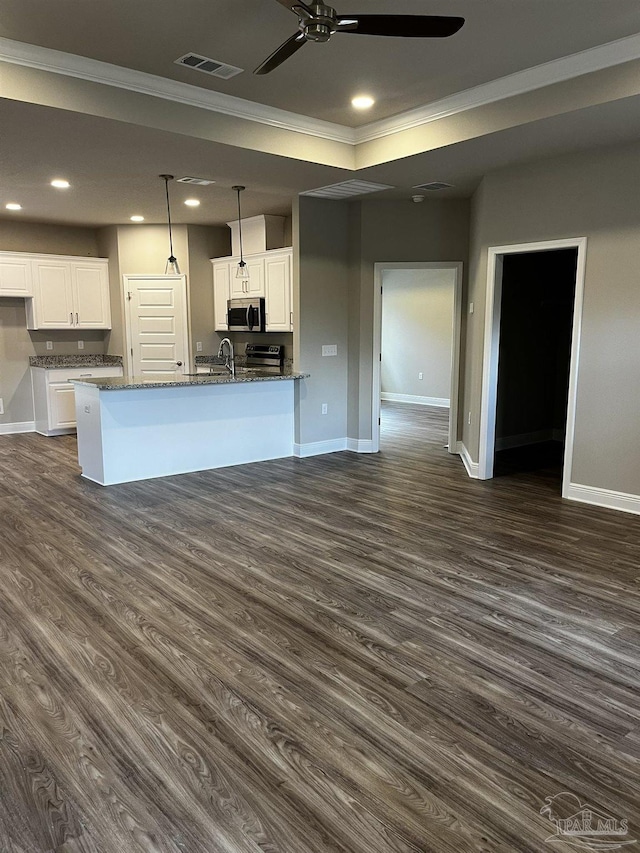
179	364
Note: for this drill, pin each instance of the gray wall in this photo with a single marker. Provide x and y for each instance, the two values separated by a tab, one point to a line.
321	277
594	195
417	321
16	343
436	230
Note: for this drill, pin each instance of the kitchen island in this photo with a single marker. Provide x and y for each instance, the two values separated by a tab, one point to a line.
138	428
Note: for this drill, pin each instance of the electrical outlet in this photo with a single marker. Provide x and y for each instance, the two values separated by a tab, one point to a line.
80	344
330	349
1	406
420	375
469	418
198	346
325	408
49	344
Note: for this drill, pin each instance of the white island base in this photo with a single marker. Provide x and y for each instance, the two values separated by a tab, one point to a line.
141	433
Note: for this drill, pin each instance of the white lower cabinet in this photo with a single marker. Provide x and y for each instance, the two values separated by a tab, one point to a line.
269	277
54	398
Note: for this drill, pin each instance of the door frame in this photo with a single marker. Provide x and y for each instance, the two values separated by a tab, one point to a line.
379	269
493	307
127	315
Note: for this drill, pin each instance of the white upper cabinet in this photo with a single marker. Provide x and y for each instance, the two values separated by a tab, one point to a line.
221	293
15	275
69	293
269	277
277	269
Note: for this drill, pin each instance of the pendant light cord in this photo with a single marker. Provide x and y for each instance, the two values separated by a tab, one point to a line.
239	190
166	186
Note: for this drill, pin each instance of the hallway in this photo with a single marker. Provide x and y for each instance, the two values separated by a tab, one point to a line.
342	654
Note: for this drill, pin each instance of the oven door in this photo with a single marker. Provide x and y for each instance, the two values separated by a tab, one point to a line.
245	315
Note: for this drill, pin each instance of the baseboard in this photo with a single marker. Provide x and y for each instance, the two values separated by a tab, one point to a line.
360	445
604	497
317	448
11	429
441	402
473	468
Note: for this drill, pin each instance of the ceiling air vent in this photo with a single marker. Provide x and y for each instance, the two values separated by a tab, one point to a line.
209	66
200	182
434	185
347	189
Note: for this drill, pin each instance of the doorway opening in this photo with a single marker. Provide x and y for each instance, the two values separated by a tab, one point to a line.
534	306
417	316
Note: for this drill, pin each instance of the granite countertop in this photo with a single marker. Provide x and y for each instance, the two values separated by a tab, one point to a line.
129	383
51	362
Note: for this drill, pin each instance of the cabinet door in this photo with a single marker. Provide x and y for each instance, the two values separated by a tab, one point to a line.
278	293
53	300
15	276
221	290
62	405
255	283
91	296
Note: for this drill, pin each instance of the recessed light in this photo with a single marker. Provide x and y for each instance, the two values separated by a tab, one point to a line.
137	218
362	102
192	202
13	206
60	184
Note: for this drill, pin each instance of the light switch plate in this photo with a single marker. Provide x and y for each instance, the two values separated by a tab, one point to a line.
329	349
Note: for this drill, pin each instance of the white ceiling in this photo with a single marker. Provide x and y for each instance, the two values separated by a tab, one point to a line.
112	152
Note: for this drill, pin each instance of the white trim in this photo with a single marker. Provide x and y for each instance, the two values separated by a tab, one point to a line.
538	77
440	402
360	445
469	464
13	429
604	497
378	270
95	71
318	448
492	341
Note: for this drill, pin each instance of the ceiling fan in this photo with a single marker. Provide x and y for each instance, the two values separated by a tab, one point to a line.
318	22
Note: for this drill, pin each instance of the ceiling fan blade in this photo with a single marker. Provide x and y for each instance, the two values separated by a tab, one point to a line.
406	26
283	52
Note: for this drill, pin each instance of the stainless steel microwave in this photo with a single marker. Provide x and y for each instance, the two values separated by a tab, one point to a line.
245	315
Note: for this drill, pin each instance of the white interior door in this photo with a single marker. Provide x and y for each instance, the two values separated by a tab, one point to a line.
157	328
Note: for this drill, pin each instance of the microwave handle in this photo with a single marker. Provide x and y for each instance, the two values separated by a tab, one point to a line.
249	323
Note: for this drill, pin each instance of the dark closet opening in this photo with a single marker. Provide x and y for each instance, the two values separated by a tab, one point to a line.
536	319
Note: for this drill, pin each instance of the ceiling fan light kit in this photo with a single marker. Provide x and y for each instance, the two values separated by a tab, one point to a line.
317	22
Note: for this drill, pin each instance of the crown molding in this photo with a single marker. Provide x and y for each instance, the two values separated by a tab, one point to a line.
540	76
95	71
558	70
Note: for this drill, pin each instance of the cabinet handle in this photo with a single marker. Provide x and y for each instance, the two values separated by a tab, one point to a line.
77	321
291	318
71	318
86	374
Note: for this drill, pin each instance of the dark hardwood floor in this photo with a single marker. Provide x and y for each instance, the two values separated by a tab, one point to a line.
343	654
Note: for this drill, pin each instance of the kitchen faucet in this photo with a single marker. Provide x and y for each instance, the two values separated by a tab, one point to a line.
229	362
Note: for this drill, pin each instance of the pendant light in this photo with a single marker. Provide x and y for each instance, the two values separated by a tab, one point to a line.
242	270
171	267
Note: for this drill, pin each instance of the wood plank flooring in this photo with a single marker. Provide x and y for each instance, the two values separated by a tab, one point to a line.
343	654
